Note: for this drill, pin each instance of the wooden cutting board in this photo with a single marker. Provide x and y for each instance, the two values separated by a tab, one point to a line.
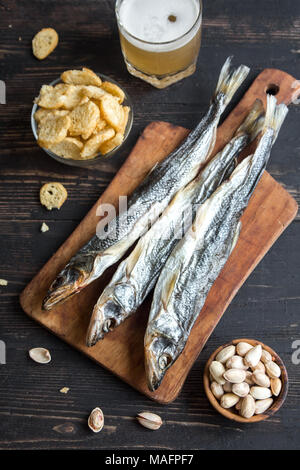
269	212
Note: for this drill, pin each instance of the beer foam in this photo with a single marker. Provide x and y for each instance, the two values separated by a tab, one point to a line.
151	21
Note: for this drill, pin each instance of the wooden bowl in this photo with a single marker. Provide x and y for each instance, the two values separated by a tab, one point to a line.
228	413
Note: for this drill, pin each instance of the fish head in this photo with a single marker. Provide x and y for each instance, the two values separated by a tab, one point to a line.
106	316
160	353
116	303
69	282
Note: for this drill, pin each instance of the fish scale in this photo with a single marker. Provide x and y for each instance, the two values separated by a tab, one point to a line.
197	260
149	199
137	274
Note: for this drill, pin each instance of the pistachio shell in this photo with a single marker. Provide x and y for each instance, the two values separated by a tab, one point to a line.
259	367
260	393
265	356
40	355
217	370
253	356
149	420
249	379
236	362
235	376
225	354
272	369
276	386
96	420
217	390
228	400
248	407
242	348
241	390
238	405
262	405
261	379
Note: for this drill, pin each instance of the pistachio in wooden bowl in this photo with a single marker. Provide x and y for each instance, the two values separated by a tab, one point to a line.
245	381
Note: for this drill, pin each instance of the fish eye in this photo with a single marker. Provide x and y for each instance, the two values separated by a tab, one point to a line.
164	361
109	325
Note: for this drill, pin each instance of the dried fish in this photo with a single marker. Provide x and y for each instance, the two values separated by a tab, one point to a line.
137	274
149	199
198	258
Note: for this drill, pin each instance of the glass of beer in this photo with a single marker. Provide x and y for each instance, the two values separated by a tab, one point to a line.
160	39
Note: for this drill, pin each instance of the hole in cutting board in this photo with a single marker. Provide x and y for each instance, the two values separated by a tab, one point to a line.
272	89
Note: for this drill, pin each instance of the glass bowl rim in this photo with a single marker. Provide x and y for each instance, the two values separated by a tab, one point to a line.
99	157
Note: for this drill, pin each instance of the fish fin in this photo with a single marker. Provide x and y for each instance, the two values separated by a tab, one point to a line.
228	171
236	236
275	115
133	258
230	80
254	121
151	169
168	288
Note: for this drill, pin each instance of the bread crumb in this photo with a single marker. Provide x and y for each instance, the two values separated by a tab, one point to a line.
53	195
64	390
44	227
3	282
44	42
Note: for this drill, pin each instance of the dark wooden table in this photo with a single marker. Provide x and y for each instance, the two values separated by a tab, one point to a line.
33	412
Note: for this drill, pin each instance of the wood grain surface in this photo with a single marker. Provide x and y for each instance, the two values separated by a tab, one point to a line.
269	212
34	414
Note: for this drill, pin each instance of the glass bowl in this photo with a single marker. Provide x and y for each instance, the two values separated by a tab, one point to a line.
96	160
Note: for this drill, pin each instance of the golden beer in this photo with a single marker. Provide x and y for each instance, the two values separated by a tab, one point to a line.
160	39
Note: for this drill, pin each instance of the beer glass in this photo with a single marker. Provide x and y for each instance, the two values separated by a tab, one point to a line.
160	39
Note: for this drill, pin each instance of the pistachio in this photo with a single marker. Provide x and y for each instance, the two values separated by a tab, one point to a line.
249	379
248	407
217	370
235	376
236	362
40	355
225	354
217	390
262	405
96	420
253	356
260	393
242	348
149	420
261	379
276	386
272	369
241	390
228	400
265	356
227	387
259	367
238	405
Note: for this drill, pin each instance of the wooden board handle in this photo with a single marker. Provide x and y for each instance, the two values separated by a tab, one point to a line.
285	87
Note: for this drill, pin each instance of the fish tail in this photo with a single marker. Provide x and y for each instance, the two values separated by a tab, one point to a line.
275	115
254	122
230	80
